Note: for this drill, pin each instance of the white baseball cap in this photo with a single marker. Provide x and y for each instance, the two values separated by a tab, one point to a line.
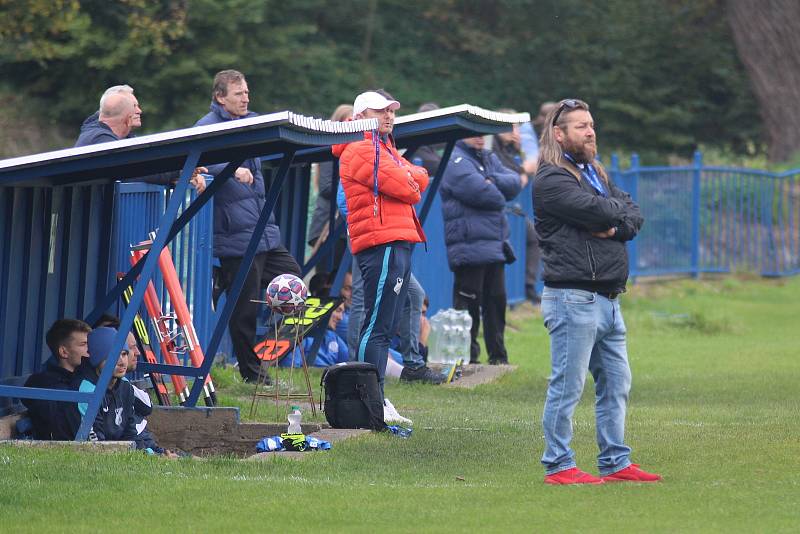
373	100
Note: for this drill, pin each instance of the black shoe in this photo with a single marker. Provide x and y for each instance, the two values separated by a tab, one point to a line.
503	361
422	374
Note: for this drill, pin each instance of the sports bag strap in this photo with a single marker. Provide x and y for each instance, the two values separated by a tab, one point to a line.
375	420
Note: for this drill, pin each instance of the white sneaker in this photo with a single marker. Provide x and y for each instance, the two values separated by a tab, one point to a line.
390	414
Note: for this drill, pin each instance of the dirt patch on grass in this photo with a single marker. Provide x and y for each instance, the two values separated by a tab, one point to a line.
208	432
475	374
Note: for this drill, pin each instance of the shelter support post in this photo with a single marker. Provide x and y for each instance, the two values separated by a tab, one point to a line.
437	179
148	269
238	282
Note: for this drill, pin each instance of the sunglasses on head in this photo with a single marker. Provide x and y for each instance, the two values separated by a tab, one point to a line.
570	103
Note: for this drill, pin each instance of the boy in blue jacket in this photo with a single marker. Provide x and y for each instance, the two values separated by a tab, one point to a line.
116	419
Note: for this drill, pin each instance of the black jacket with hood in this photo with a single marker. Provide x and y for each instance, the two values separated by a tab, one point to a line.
115	421
47	417
567	210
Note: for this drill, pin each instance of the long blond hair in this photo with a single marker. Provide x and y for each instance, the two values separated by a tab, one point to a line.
342	113
550	151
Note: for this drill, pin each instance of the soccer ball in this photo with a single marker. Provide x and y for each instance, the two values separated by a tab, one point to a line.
287	294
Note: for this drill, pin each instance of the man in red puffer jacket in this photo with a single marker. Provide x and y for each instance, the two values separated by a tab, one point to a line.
380	188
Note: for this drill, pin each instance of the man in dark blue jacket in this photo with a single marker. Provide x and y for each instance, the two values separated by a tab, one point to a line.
475	189
118	116
237	206
67	340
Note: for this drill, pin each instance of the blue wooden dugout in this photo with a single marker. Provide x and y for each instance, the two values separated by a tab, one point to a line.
57	259
72	261
444	127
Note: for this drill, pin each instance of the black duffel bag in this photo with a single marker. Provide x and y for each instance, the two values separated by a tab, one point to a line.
353	396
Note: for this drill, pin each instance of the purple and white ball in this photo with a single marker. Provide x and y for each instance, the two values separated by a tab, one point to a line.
287	294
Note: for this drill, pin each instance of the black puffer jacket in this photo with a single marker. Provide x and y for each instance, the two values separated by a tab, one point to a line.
237	206
567	211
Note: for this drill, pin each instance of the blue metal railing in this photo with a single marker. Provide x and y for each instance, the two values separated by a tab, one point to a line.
136	214
698	219
706	219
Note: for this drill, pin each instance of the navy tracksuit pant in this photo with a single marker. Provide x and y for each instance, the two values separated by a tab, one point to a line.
384	270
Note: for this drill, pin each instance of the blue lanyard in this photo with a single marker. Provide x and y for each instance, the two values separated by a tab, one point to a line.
588	171
377	141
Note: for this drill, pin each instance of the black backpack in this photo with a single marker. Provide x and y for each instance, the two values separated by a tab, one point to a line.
353	396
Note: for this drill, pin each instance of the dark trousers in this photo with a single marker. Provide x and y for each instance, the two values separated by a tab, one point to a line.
532	257
331	262
384	271
242	326
481	290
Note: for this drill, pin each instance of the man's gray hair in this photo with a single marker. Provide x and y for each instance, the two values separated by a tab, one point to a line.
116	89
221	81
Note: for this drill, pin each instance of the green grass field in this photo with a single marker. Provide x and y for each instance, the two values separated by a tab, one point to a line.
714	409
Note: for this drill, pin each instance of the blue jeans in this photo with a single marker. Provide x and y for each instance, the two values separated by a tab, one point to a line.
586	332
409	324
356	311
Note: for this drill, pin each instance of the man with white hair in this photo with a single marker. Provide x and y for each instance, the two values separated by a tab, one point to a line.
118	116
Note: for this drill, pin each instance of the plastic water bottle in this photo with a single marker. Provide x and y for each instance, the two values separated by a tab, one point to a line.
294	421
435	338
449	339
466	335
463	339
455	336
447	342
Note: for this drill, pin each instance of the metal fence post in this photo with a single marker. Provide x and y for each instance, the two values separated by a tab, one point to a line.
632	186
697	171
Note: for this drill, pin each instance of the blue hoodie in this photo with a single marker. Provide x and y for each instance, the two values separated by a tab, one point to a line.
237	206
115	420
94	132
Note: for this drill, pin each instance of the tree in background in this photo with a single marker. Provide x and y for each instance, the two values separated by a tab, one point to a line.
663	76
767	35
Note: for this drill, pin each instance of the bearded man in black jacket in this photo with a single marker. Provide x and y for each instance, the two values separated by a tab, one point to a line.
583	221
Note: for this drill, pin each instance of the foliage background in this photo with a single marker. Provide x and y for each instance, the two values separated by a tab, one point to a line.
663	76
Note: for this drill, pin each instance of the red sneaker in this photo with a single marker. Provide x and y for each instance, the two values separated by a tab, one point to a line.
571	476
632	473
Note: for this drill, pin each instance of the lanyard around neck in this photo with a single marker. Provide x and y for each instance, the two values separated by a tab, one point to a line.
590	173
